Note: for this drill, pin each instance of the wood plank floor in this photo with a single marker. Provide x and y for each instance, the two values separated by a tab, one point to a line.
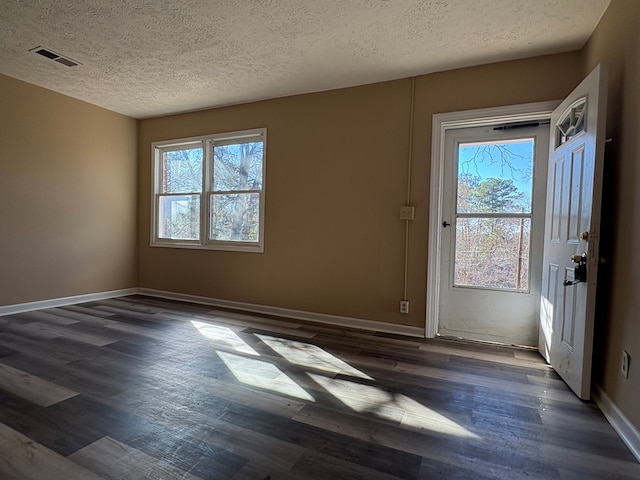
139	387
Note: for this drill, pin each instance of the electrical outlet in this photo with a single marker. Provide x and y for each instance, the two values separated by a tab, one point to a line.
404	306
624	368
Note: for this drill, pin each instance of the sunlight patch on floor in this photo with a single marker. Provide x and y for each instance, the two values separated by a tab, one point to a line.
390	406
311	356
223	336
261	374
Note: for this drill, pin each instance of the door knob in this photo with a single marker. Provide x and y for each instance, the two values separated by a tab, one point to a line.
584	236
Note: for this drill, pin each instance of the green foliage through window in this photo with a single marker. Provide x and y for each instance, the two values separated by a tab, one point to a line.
229	201
493	207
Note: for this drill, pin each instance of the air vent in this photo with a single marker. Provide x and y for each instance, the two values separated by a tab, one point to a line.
50	54
66	61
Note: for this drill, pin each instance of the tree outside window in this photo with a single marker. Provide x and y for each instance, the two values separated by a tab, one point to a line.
209	192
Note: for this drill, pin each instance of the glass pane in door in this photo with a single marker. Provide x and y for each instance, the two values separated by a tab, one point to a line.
495	177
493	214
493	253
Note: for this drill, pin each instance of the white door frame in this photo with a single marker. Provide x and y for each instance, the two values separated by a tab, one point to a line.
440	124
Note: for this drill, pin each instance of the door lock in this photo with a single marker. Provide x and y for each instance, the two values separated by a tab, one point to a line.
579	271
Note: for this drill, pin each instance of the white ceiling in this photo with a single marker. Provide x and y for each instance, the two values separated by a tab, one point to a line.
147	58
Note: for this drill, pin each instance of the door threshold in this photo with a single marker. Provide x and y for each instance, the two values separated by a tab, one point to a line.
470	341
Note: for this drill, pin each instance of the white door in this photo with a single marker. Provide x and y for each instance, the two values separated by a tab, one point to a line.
572	232
492	231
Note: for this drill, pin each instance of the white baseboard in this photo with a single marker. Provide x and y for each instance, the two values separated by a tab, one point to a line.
61	302
621	424
334	320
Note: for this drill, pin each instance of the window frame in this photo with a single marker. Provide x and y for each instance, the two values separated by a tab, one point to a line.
207	192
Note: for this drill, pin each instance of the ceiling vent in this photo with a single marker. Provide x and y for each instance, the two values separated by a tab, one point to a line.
56	57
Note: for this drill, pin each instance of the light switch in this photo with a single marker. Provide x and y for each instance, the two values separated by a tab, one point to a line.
406	213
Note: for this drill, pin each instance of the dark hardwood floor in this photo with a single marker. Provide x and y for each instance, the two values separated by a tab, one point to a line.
139	387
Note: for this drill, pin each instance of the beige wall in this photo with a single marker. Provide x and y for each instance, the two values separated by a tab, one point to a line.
616	42
67	196
336	177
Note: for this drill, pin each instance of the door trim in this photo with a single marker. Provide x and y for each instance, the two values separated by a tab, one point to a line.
441	123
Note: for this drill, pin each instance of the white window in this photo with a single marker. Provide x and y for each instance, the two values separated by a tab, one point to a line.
208	192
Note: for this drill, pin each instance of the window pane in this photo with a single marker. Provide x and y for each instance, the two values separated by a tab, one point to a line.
572	122
182	171
495	177
235	217
493	253
237	166
179	217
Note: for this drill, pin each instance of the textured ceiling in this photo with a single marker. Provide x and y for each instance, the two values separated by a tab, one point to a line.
153	57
